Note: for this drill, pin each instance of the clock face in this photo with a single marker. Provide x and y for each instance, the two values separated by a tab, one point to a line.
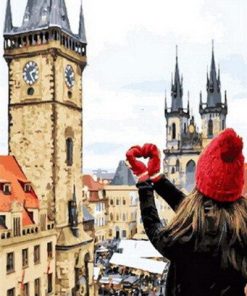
191	128
31	73
69	76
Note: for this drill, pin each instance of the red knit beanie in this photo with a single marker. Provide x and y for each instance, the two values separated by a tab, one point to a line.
220	168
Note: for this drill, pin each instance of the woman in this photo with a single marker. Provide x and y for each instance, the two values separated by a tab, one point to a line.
206	241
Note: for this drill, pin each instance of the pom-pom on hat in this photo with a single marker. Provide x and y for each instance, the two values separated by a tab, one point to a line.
220	168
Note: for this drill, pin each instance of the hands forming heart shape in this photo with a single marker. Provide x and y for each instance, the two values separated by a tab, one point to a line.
139	168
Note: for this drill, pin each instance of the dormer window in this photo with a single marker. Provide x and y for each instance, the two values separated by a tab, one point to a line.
7	189
27	187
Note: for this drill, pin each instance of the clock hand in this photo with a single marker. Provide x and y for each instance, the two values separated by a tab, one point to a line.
31	74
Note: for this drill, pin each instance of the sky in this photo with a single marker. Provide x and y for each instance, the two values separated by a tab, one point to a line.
131	55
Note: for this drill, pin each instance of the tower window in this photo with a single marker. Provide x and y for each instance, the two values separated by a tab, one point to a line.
173	131
177	165
69	152
210	128
223	124
30	91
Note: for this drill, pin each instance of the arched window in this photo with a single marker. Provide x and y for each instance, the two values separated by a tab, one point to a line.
190	175
69	151
210	128
177	165
223	124
173	170
173	131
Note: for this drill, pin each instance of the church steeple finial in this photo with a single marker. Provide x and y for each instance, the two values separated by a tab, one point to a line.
177	87
82	33
213	83
8	25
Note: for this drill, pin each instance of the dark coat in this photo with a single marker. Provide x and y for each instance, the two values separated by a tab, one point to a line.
191	273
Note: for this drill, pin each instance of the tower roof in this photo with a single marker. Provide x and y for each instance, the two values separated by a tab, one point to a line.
123	175
44	14
177	88
8	25
82	31
213	84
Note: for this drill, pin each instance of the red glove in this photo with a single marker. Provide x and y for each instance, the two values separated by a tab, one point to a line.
151	151
138	168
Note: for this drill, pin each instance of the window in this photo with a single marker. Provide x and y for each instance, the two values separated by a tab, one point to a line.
111	202
173	131
24	257
223	124
36	254
26	289
49	250
173	170
37	287
6	189
69	152
17	226
11	292
3	220
124	218
49	278
177	165
117	202
124	202
27	187
124	233
210	128
10	262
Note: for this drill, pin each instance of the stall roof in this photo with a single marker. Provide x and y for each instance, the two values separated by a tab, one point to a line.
148	265
141	248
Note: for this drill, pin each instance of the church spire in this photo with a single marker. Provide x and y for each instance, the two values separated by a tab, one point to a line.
177	88
8	25
82	33
213	84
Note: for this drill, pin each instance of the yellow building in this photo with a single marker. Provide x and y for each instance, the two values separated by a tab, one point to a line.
184	142
96	202
46	62
27	237
122	198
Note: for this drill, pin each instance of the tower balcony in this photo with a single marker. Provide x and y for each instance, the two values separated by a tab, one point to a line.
40	40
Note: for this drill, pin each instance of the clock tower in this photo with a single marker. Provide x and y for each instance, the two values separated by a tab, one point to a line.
46	62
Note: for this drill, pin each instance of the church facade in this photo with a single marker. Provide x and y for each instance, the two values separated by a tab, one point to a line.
46	62
184	142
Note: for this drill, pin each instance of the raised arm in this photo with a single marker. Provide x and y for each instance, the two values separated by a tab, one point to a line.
169	192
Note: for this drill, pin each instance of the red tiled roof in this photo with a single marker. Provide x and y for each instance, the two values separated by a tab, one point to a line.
11	172
93	186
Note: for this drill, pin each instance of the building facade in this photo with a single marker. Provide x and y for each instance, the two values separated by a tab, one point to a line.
27	236
97	204
122	198
184	142
46	62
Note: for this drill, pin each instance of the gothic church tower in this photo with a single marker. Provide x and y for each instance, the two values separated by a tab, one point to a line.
46	62
213	112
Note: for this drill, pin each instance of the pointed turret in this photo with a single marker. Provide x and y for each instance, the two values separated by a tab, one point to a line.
82	32
177	88
8	25
213	84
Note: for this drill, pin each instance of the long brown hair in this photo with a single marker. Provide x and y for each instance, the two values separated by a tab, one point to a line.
213	226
